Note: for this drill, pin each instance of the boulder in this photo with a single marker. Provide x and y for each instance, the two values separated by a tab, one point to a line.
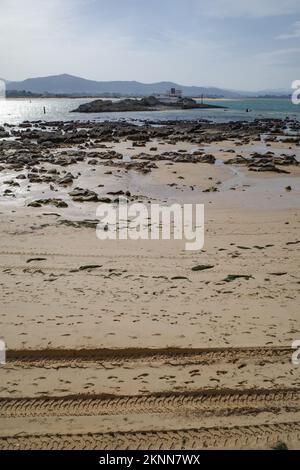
83	195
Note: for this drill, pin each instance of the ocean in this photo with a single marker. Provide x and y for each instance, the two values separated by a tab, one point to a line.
15	111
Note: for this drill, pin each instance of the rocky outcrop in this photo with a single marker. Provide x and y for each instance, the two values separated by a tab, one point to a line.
145	104
264	162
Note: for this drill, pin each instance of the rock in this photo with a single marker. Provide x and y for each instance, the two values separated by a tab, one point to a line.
202	267
265	166
11	183
67	179
280	446
105	200
81	223
286	160
119	193
238	160
206	159
4	133
232	277
50	202
83	195
149	103
53	171
30	260
89	267
212	189
138	144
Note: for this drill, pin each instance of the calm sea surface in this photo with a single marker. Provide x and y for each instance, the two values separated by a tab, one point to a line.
14	111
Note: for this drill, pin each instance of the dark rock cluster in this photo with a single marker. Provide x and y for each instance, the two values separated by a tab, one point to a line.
48	152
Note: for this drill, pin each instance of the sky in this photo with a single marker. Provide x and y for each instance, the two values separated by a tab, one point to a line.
234	44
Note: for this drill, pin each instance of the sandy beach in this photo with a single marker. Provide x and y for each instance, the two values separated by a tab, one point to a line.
126	344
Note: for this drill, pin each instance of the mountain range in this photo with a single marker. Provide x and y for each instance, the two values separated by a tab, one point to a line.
70	85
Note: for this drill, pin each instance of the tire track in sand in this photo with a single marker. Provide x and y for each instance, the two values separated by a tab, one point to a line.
256	436
222	402
219	402
174	356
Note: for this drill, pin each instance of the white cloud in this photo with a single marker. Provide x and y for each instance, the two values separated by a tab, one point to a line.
283	57
295	33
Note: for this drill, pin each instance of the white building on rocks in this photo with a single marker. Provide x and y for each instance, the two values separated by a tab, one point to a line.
170	96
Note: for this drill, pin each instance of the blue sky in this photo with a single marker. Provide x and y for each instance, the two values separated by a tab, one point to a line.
234	44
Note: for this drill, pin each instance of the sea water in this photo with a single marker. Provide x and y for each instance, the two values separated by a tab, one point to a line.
15	111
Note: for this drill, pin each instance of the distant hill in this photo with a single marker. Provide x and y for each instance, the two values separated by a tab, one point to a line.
70	85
